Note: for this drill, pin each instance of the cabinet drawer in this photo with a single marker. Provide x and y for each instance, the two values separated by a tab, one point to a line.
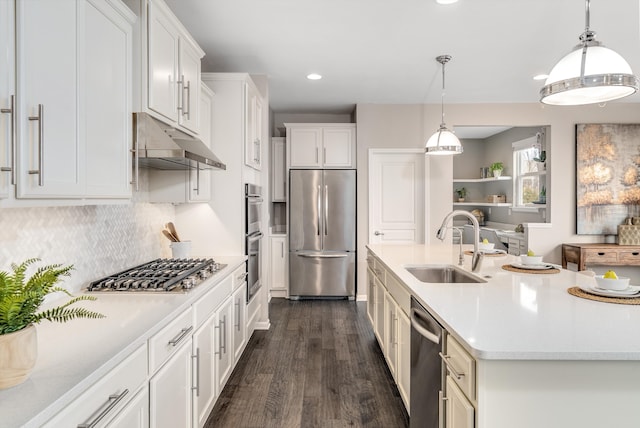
461	367
399	294
629	257
600	256
103	400
239	275
210	301
169	339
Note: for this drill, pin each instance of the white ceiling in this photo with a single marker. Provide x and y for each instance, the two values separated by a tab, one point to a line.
383	51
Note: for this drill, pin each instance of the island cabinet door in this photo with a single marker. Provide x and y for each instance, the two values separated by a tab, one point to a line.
459	412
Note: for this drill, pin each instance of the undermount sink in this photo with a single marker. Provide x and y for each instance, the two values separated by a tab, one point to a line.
439	274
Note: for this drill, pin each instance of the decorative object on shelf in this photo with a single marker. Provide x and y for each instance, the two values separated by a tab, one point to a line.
462	193
589	74
607	177
443	142
20	299
497	199
542	197
496	169
542	159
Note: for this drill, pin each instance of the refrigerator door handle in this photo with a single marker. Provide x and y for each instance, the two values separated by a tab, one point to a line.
326	209
323	256
319	214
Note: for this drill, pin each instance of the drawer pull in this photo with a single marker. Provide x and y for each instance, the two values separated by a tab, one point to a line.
635	253
454	372
601	254
183	333
113	401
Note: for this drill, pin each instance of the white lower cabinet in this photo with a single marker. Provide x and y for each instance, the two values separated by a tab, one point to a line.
459	412
170	390
205	392
135	414
387	307
278	254
239	320
224	342
108	397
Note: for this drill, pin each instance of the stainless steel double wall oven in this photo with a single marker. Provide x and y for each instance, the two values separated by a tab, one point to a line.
253	236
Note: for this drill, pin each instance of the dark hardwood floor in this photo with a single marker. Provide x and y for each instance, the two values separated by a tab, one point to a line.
318	366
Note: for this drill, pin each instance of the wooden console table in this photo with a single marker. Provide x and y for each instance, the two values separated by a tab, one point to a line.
600	254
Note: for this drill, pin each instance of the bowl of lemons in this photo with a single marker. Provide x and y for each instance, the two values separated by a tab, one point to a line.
485	245
531	259
611	281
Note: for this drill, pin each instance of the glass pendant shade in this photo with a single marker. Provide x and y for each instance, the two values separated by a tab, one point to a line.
443	142
607	76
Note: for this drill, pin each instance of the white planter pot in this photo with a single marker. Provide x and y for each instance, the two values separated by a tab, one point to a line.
497	172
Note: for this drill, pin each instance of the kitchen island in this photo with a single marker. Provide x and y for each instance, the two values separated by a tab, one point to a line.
74	356
544	358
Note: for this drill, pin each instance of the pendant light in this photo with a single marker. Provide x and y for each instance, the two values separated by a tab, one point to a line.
589	74
443	142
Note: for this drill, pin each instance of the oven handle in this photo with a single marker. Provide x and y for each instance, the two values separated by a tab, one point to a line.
254	237
417	315
254	199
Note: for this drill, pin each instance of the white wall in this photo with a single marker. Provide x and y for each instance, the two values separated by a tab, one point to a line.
384	126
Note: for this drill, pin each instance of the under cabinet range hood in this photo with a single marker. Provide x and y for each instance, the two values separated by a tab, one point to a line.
161	146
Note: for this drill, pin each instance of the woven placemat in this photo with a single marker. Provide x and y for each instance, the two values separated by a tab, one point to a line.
470	253
578	292
538	271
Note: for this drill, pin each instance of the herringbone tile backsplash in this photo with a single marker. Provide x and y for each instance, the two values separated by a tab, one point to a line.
98	240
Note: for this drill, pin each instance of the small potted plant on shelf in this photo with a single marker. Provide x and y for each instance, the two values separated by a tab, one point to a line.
20	300
462	193
542	196
496	169
541	160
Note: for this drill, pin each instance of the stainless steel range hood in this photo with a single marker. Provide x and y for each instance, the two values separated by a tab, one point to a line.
160	146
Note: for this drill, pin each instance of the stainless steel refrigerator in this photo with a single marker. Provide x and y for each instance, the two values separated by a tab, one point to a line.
322	233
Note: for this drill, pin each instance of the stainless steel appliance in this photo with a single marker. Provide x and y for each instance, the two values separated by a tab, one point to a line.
322	233
160	275
427	373
253	235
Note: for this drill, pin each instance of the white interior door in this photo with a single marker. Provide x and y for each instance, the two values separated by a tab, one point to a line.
396	196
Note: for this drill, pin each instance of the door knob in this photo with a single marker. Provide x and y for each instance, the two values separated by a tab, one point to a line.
378	233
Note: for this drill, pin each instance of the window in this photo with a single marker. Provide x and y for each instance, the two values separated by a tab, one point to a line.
529	172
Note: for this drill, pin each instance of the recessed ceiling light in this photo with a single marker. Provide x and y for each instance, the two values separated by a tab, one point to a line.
446	1
540	77
314	76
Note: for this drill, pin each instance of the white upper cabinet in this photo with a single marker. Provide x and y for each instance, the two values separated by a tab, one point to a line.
106	113
7	97
173	69
73	120
279	170
49	150
253	132
321	145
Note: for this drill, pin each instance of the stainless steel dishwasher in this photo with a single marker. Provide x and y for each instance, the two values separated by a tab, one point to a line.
427	373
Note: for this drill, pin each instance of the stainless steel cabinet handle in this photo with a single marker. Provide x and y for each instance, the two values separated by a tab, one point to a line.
180	84
326	210
183	333
238	313
197	189
415	315
219	351
196	357
378	233
12	166
316	155
454	372
441	400
40	170
187	111
282	250
324	155
113	401
224	346
242	276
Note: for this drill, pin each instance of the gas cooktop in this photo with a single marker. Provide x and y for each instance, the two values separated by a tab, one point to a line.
160	275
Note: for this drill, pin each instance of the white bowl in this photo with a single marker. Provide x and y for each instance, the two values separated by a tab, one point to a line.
531	260
488	246
612	284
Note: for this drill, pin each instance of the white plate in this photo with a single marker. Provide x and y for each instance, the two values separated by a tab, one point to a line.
493	251
629	292
542	266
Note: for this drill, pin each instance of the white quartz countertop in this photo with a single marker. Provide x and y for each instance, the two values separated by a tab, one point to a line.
73	355
518	316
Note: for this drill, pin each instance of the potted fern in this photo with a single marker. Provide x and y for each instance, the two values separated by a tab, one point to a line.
20	300
496	169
